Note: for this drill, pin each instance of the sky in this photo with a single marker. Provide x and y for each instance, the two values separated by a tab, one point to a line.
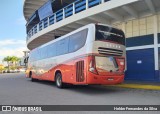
12	29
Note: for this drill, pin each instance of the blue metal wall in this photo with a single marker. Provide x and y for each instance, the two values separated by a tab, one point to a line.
140	65
158	71
140	40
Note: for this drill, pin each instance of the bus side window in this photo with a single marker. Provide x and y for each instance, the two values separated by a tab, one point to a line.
43	53
30	57
62	46
51	50
38	54
34	55
77	40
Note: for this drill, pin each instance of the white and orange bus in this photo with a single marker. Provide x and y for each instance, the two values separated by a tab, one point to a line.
93	54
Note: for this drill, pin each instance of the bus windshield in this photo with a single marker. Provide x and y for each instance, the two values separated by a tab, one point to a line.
110	34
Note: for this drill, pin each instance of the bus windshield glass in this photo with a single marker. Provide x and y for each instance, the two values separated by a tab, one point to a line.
105	33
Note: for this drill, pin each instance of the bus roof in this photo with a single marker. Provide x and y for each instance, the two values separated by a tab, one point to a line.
79	29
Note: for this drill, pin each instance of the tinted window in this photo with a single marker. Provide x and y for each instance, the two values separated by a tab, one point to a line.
37	55
33	55
30	56
43	53
77	40
109	34
51	50
62	46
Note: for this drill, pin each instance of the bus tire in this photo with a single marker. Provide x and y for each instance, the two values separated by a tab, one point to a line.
30	74
32	79
58	80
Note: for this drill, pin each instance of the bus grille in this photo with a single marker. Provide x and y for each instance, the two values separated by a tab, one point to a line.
80	71
111	52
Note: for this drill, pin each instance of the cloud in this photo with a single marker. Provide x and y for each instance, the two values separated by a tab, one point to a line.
11	47
11	42
12	52
21	21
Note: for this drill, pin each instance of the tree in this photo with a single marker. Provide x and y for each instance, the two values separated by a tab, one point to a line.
11	59
8	60
1	68
14	60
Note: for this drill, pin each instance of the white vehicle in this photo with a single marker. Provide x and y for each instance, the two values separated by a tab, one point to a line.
93	54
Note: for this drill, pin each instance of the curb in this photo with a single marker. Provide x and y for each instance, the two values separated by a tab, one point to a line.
138	86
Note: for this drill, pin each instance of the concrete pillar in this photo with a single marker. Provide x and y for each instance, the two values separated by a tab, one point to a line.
55	20
124	30
48	21
157	75
63	13
87	4
73	8
124	27
155	18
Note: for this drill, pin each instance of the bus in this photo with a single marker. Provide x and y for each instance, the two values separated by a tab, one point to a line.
93	54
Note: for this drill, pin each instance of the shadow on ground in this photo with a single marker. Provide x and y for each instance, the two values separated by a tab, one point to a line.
86	89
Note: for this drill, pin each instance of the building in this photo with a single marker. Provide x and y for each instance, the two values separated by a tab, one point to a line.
139	19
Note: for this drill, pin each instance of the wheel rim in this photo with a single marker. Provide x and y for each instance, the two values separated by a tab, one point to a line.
59	81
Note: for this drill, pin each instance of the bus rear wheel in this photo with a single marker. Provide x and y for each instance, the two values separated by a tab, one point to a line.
58	80
32	79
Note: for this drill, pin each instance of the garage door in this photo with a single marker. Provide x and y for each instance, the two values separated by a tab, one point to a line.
140	65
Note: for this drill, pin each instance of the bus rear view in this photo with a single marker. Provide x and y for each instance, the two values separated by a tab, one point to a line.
106	65
93	54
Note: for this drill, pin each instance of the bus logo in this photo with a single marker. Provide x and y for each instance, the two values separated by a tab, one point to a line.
6	108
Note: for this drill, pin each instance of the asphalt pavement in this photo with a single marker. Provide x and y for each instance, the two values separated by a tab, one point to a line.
16	89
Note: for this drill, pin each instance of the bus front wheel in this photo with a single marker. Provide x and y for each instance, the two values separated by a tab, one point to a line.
58	80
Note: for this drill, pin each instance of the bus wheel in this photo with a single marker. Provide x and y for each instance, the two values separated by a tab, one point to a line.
30	74
33	80
58	80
